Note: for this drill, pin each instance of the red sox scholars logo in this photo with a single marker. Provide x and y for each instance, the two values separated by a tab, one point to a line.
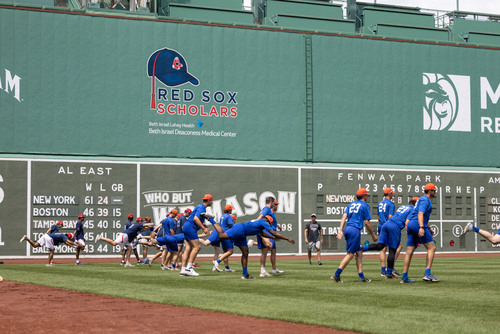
170	68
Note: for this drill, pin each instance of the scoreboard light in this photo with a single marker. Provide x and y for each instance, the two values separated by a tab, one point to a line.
452	243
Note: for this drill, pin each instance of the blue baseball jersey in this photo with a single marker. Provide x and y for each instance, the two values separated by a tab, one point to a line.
226	222
266	211
54	229
423	205
58	238
133	231
401	215
196	213
357	212
128	224
168	224
274	224
179	224
385	208
254	227
79	234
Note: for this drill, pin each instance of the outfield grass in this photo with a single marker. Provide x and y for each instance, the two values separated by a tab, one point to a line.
465	301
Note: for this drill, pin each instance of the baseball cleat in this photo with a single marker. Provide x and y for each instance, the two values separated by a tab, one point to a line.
468	228
407	280
277	271
336	279
229	270
392	276
265	274
247	276
183	272
395	272
191	272
319	263
430	278
128	265
365	280
216	266
23	238
150	262
78	263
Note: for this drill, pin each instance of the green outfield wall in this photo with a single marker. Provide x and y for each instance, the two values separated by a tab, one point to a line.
79	84
36	193
108	115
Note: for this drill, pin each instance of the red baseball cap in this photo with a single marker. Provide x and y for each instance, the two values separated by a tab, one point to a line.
81	216
388	191
208	197
139	219
269	218
174	211
148	218
69	235
228	207
188	210
416	198
430	186
60	222
276	202
362	191
131	216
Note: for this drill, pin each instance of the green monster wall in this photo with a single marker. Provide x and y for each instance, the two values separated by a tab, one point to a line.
78	84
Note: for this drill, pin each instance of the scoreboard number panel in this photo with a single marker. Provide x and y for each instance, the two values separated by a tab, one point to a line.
462	197
104	192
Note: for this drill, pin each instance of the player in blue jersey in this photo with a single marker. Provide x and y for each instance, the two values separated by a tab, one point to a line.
128	224
55	228
170	242
493	238
168	224
355	216
181	220
226	222
51	241
144	234
79	236
238	233
390	236
126	238
419	233
265	244
386	210
190	229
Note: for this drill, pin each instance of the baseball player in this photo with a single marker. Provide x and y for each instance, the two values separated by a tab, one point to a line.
390	236
355	215
144	234
126	238
313	236
419	233
386	210
79	238
238	233
190	229
51	241
182	218
55	228
494	239
265	244
226	222
128	224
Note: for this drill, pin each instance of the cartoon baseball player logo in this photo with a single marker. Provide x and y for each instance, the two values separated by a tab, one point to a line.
170	68
442	108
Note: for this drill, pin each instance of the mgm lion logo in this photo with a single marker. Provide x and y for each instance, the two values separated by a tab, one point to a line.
447	102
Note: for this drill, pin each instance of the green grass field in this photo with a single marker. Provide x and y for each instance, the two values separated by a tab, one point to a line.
465	301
